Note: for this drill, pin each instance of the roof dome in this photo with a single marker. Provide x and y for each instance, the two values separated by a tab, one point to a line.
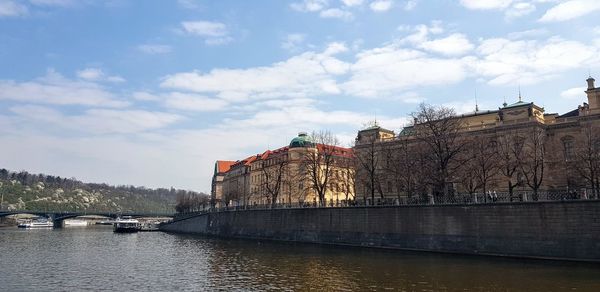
303	140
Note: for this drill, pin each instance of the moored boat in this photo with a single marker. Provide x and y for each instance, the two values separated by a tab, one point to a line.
126	225
34	224
75	223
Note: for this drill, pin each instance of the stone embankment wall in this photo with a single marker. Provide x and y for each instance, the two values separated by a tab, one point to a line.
558	230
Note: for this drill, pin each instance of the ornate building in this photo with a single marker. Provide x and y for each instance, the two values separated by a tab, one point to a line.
303	172
516	148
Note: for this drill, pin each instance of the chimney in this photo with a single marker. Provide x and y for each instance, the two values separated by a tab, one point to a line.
590	82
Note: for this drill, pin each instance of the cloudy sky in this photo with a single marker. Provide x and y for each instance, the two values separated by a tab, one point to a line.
153	92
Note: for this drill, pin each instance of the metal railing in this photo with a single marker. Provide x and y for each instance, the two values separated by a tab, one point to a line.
416	200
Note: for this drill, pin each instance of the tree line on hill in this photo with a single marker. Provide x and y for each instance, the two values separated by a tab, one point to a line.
26	191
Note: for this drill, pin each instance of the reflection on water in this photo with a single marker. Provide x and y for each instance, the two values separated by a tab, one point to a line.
97	259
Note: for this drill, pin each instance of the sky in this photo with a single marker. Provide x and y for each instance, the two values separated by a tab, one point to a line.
153	92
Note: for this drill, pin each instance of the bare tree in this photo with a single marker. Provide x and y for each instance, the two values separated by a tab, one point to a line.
273	171
467	176
319	163
402	163
584	159
509	151
437	128
368	159
485	160
533	159
191	202
348	177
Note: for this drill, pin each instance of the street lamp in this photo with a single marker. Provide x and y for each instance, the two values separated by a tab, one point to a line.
1	200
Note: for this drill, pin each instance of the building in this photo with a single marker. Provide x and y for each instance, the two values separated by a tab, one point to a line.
216	191
303	172
515	148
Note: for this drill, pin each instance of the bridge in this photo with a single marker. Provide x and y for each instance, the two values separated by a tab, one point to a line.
58	217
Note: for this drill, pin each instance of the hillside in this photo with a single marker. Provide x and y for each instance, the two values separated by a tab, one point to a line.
25	191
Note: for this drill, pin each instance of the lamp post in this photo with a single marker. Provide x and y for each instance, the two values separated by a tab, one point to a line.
1	200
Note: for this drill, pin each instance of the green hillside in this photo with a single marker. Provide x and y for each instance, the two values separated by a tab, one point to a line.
25	191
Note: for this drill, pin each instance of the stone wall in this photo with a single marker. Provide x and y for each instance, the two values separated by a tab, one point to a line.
559	230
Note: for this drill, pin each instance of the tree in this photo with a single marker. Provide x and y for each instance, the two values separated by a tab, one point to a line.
533	159
319	163
403	164
348	176
509	151
437	129
586	160
273	170
368	158
485	160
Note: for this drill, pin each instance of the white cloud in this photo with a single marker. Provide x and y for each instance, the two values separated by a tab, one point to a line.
215	33
154	49
309	5
145	96
205	28
218	41
96	121
511	62
307	74
10	8
96	74
391	69
570	9
336	13
188	102
531	33
92	74
572	93
293	42
410	5
193	102
486	4
56	89
454	44
519	10
381	5
352	2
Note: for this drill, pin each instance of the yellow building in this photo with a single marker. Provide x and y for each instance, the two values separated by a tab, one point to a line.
567	158
301	173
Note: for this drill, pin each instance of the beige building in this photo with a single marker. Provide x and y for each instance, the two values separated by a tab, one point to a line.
567	159
216	191
291	175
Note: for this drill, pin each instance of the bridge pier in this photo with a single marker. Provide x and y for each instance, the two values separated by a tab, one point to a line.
58	223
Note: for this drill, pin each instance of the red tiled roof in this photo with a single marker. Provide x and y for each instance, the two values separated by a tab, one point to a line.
224	165
339	151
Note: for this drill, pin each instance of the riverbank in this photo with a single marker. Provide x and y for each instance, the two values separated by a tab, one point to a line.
546	230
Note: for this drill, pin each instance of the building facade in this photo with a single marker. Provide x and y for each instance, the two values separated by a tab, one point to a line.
516	148
301	173
216	190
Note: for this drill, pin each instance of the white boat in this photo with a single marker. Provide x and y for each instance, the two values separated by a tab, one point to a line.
34	224
75	223
126	225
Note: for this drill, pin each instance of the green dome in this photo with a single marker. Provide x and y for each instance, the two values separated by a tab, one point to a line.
303	140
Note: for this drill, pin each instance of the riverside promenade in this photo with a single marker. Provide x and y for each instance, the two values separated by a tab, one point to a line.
562	230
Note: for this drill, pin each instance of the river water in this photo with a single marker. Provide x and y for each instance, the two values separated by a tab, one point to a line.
95	258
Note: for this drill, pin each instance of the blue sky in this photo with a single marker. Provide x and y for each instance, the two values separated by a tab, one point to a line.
153	92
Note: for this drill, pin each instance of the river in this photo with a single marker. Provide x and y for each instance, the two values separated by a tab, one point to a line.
95	258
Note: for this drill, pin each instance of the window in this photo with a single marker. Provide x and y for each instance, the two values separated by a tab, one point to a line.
569	147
